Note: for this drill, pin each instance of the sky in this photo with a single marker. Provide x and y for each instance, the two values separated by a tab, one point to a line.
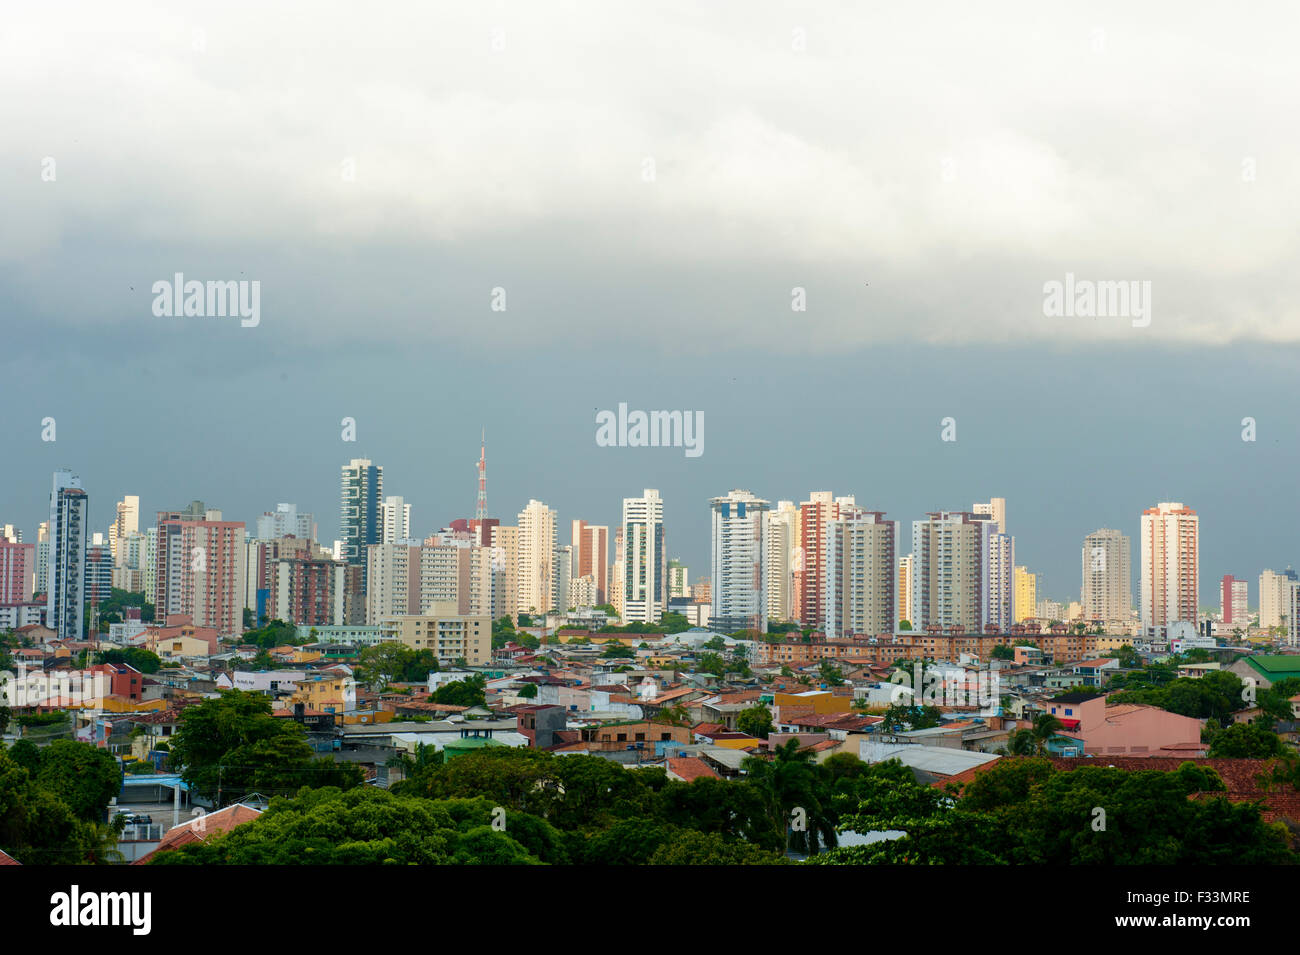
652	193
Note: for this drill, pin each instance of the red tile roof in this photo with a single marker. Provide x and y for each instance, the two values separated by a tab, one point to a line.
690	768
6	859
202	829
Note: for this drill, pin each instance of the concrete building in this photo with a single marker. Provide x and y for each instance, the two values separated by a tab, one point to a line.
861	570
1026	594
903	588
815	516
200	569
285	521
125	523
645	560
535	561
994	509
396	520
1233	601
1001	581
17	572
591	555
452	636
1107	593
737	560
1170	564
360	516
782	538
1274	596
66	574
950	553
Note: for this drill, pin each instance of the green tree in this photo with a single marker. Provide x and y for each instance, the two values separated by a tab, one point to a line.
528	691
471	691
82	776
756	721
232	746
136	657
1246	741
788	782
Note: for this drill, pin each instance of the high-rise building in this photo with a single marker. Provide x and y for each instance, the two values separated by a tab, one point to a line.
782	539
815	515
1170	564
10	533
859	590
360	516
125	523
1233	601
536	559
505	545
678	579
950	562
99	578
396	520
996	510
43	558
285	521
200	569
737	563
1026	594
17	571
903	588
645	562
591	556
1107	594
561	577
1274	590
66	574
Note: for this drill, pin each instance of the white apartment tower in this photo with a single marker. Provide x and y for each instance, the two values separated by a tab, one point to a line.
738	562
782	537
396	520
1170	564
645	561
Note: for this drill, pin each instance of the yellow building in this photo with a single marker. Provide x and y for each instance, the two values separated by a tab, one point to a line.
1026	594
450	635
821	701
1105	644
329	692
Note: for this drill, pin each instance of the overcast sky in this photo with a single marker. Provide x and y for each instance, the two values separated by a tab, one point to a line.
648	184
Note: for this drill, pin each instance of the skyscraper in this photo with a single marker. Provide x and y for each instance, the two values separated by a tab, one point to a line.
1274	590
738	558
536	560
782	538
125	523
1233	599
200	568
396	520
950	561
66	598
591	555
815	515
360	516
1026	594
285	521
1000	611
645	561
1107	594
995	509
903	588
861	568
1170	564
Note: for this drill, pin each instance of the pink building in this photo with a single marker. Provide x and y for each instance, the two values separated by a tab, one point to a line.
17	572
1232	598
1125	729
